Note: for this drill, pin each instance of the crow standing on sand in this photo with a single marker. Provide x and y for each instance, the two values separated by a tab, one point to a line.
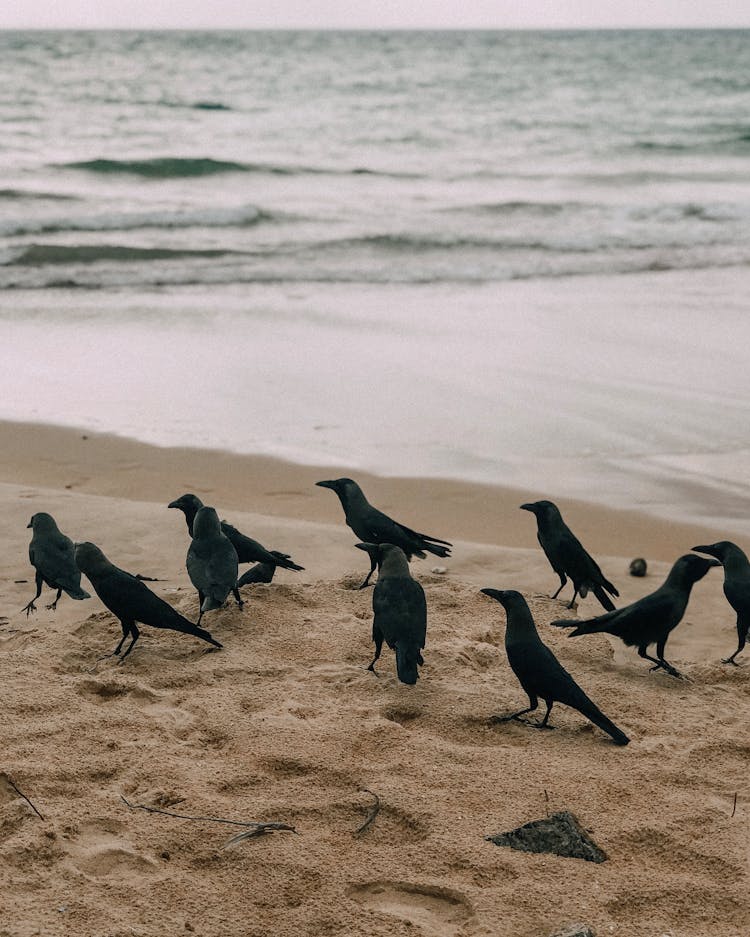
538	670
130	599
651	619
211	562
51	555
372	526
248	550
736	586
567	555
400	610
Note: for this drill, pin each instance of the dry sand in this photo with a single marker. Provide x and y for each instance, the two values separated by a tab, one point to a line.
285	724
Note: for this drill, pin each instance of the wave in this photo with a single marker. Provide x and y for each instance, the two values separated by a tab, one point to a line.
541	209
738	142
244	217
160	167
182	167
210	106
418	243
37	255
23	194
195	105
188	280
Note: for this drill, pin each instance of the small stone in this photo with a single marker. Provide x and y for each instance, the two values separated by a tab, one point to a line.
62	909
560	834
638	567
439	570
165	855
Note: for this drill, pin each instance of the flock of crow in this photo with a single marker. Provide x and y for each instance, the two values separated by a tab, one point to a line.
399	606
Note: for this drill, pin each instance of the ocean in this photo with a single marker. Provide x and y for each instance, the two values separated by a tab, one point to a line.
512	257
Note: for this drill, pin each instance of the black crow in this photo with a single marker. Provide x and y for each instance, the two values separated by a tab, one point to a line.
538	670
211	562
651	619
736	586
399	610
248	550
130	599
372	526
52	556
567	555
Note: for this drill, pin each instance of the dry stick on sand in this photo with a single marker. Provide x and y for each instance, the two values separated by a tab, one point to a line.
21	794
253	827
371	814
734	805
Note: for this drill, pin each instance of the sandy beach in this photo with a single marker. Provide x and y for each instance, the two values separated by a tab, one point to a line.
285	723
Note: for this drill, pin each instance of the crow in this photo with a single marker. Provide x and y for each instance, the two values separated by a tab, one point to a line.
51	554
261	572
248	550
736	586
567	555
651	619
399	610
211	562
538	670
372	526
130	600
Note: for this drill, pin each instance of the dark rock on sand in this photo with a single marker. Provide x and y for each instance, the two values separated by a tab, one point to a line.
560	834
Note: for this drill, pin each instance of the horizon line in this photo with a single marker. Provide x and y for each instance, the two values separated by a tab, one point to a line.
391	29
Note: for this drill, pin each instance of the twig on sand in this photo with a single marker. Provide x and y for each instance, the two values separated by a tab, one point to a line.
371	813
21	794
734	805
252	827
546	803
257	829
148	578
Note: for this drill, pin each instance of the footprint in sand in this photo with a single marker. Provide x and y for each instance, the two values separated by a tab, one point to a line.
439	912
101	852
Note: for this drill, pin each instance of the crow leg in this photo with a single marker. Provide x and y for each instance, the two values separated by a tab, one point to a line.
237	599
31	607
563	583
378	648
533	704
544	723
52	606
665	664
658	664
573	600
201	597
136	634
742	629
366	581
125	632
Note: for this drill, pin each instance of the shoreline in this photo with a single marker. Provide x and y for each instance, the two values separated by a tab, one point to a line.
94	463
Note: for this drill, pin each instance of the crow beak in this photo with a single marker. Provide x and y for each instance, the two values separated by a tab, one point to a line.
704	549
496	594
327	484
370	548
29	525
528	507
175	504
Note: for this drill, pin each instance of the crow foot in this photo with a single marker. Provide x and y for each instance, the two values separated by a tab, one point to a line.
672	671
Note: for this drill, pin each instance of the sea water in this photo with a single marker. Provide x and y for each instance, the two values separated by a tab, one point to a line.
515	257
